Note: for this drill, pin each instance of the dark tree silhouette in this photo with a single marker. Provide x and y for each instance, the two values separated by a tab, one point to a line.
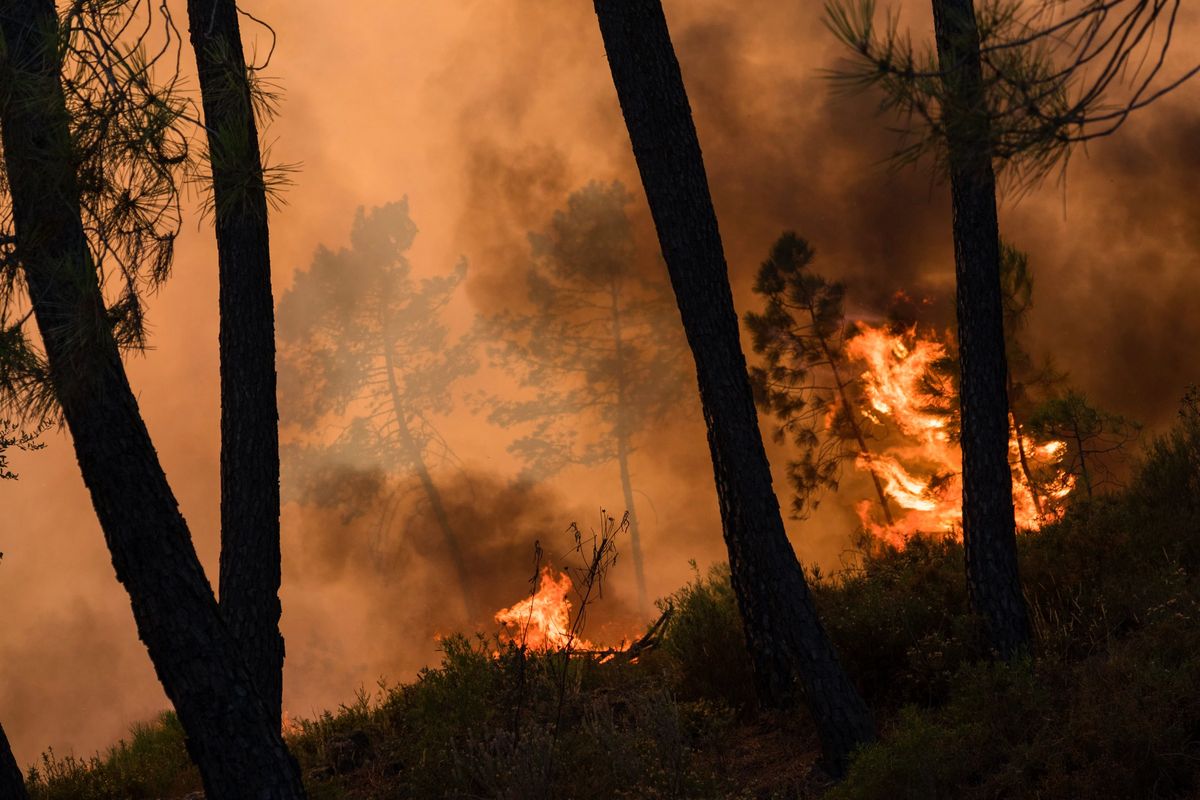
12	437
1030	381
1096	440
250	557
805	382
232	736
362	339
786	639
989	527
129	145
1052	75
12	782
1016	290
602	342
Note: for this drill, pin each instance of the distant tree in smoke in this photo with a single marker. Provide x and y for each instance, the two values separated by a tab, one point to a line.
601	347
805	381
364	345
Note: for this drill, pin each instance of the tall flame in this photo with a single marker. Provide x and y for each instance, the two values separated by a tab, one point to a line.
920	466
543	620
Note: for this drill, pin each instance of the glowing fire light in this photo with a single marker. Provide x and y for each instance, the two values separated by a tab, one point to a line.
920	466
290	727
543	621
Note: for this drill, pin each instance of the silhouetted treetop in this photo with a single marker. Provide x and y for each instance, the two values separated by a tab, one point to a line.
129	141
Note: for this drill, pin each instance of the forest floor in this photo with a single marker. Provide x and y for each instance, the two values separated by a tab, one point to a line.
1106	706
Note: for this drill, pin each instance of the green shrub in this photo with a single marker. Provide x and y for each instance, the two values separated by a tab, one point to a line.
1107	706
705	642
1118	725
152	763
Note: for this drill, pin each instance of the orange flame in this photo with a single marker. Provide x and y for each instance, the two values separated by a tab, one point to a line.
543	621
920	466
290	727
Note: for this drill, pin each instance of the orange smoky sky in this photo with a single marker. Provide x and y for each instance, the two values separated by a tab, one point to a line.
486	114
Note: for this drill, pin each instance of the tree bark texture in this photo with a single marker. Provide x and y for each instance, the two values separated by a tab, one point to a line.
250	556
12	782
231	736
786	639
989	529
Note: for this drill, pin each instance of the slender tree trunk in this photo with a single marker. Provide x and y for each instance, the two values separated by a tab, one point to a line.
621	434
635	535
250	557
1023	457
989	528
1083	468
786	639
413	452
12	782
232	737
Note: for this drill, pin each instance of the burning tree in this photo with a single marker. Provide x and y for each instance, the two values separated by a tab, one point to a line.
1028	381
364	343
1093	439
910	393
806	383
834	386
601	343
1013	86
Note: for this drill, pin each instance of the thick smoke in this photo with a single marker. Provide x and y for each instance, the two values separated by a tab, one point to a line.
487	115
368	595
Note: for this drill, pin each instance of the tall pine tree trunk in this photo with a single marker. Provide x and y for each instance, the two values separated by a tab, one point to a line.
635	533
12	782
250	557
1023	458
787	641
621	434
412	451
989	528
1077	435
232	737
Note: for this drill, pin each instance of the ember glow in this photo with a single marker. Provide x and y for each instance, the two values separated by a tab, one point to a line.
917	459
543	620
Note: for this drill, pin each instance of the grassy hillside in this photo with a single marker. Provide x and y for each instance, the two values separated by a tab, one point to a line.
1107	707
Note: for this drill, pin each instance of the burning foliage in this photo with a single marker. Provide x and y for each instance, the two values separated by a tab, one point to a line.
912	406
883	396
543	620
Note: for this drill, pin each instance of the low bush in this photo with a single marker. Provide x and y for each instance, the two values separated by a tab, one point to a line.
1106	706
